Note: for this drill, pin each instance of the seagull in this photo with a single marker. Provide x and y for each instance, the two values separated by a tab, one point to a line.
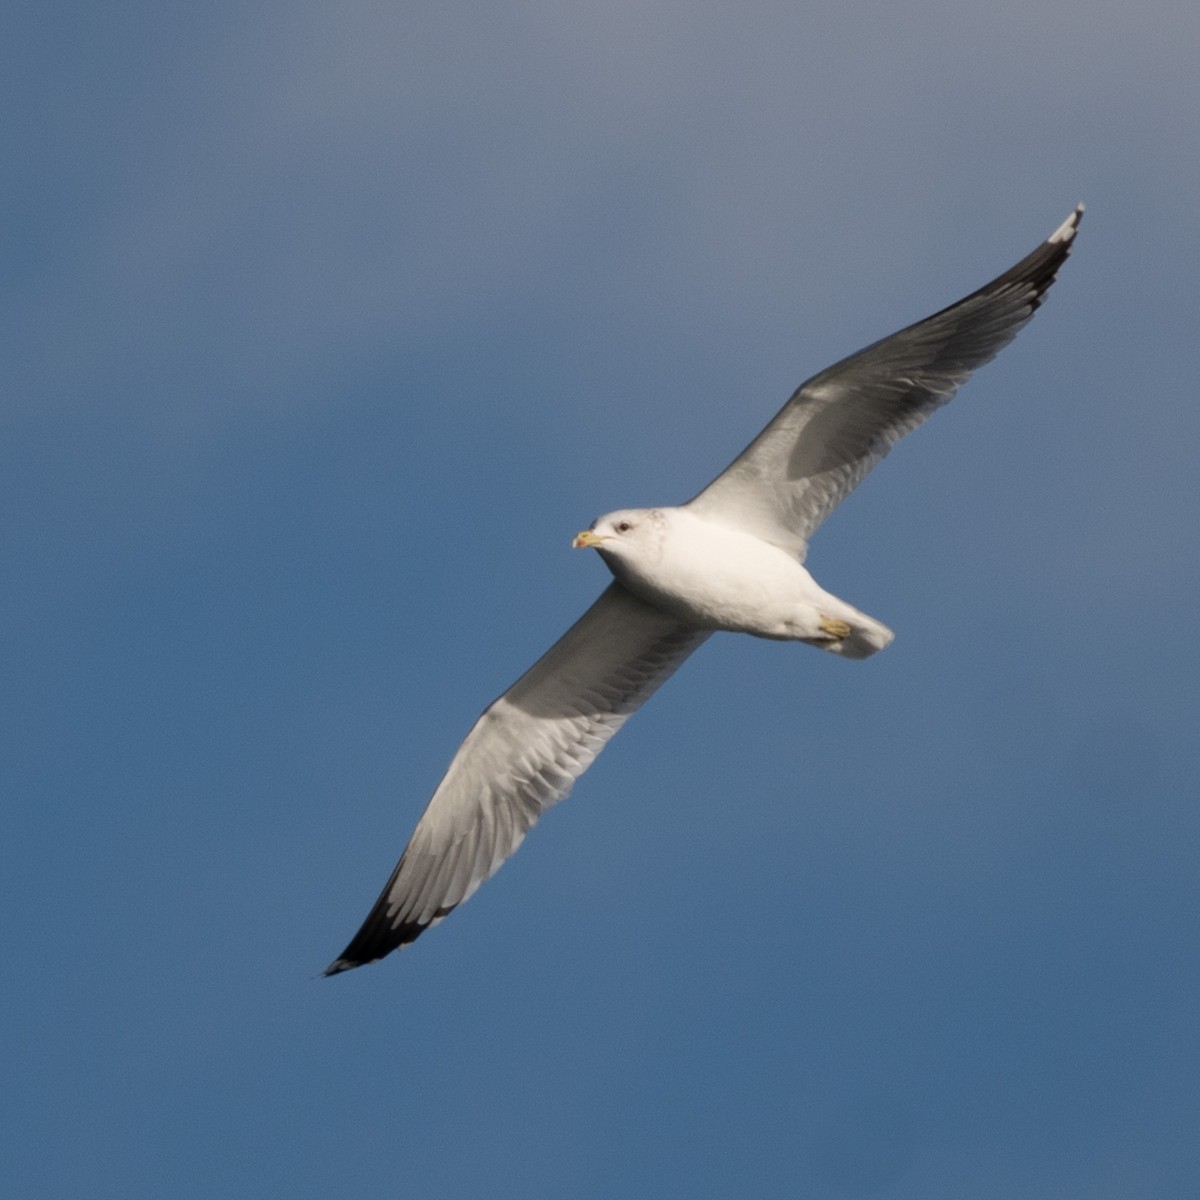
731	558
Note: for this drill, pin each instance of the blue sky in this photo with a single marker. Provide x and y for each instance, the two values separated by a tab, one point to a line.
325	327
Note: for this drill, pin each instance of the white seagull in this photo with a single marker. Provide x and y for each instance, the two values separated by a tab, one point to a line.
731	558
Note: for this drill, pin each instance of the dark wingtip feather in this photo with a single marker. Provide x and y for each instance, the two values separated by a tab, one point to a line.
1055	250
1039	269
375	940
379	936
1031	278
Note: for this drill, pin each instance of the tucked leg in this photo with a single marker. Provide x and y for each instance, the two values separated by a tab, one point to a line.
835	629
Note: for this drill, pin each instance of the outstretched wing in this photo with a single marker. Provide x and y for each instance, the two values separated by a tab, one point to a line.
841	422
522	756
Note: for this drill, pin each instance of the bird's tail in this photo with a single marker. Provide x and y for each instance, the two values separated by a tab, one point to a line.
866	636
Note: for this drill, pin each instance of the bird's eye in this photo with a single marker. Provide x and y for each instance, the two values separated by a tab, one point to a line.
623	527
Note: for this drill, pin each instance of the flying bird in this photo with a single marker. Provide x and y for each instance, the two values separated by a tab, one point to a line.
731	558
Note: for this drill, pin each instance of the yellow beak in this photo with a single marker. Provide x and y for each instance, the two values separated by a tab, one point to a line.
585	538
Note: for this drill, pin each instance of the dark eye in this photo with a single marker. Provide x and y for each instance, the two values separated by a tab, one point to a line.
623	527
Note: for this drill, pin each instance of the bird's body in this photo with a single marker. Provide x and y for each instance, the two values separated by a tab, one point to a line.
716	576
731	559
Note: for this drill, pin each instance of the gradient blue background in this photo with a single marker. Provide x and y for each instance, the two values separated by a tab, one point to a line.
325	327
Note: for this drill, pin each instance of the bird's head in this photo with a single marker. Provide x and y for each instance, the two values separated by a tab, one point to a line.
627	533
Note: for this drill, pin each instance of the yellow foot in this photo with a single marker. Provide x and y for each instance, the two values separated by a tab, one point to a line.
835	629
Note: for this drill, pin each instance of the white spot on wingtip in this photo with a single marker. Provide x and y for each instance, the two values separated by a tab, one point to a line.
1066	231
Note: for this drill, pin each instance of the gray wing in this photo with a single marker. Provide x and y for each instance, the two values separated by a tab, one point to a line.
522	756
841	422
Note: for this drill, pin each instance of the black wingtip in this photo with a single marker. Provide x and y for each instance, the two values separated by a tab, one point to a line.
379	936
358	954
1034	274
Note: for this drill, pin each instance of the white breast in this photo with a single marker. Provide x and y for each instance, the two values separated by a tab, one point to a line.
718	577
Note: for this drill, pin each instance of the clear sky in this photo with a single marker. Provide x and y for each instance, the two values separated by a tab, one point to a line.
324	328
